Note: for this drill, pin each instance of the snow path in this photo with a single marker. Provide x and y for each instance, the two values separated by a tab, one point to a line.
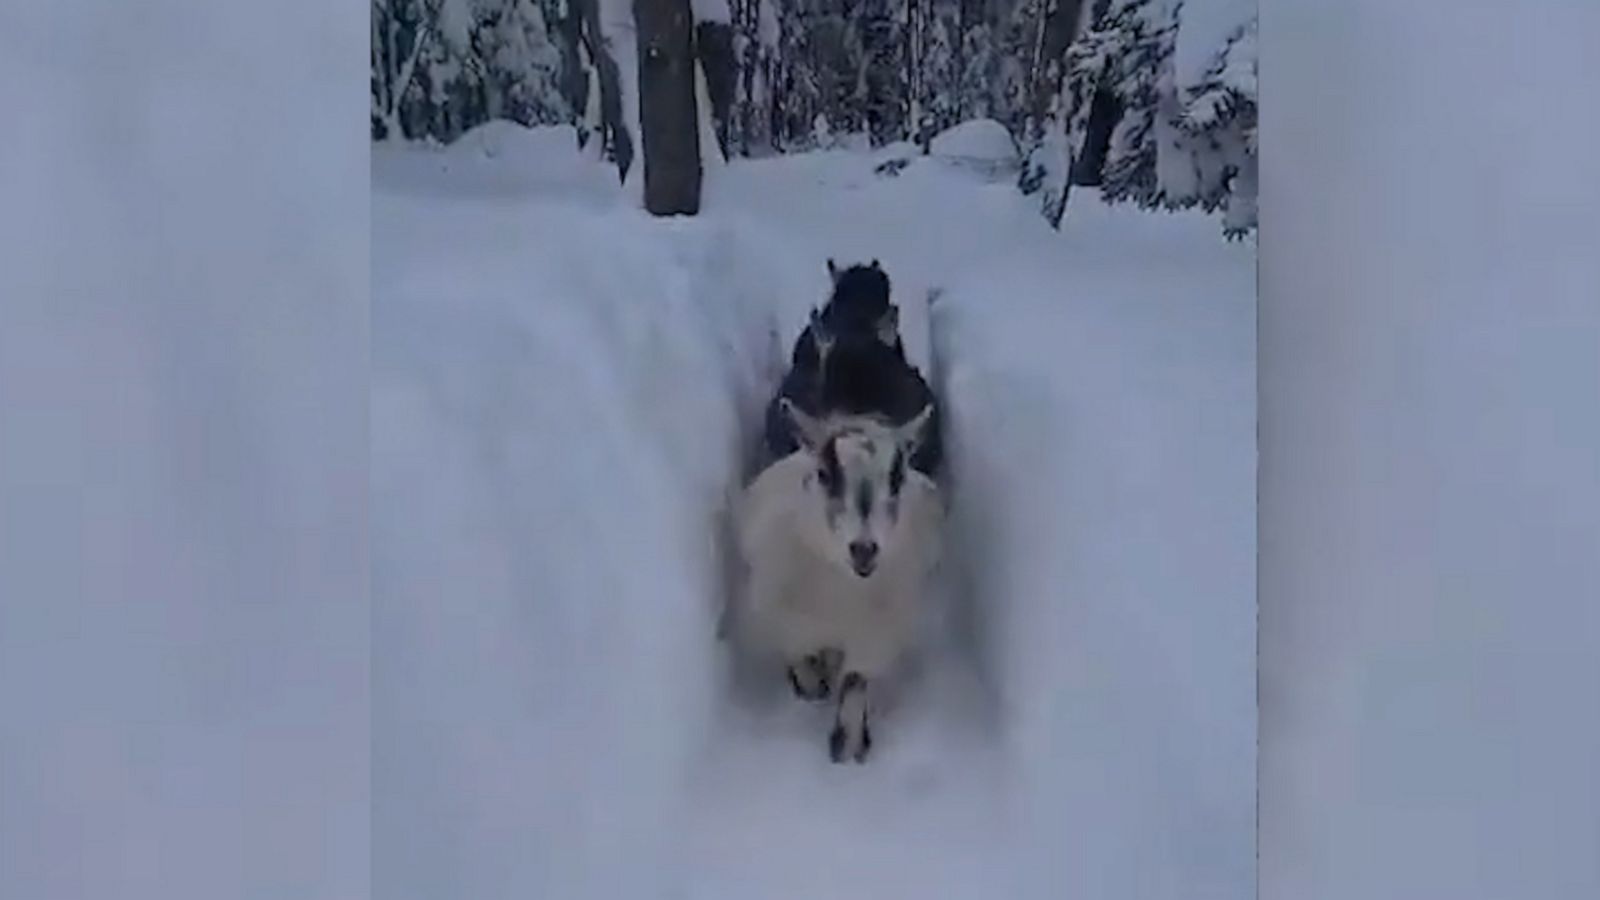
565	390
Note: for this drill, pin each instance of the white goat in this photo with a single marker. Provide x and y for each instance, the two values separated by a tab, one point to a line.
839	537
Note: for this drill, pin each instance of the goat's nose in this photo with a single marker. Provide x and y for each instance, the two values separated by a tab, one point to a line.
863	554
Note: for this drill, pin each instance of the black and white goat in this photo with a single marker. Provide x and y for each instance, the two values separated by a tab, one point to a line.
839	538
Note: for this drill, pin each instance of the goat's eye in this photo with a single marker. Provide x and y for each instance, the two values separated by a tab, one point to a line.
825	478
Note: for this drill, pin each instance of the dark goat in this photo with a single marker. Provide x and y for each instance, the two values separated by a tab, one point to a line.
850	359
858	305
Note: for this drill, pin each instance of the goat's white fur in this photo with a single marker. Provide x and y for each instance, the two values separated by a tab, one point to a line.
799	598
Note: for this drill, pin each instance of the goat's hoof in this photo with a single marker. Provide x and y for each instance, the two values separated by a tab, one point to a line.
839	745
836	742
817	689
812	677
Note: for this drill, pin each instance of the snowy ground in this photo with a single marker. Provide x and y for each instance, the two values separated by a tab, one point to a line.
564	392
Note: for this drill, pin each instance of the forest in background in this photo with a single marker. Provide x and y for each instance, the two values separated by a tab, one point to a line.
1086	88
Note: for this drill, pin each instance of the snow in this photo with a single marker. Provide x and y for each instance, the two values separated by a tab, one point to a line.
711	11
1204	27
619	30
183	571
1430	416
455	23
768	31
977	140
711	157
565	391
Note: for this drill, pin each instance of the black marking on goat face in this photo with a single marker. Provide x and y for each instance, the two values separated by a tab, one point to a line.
830	474
897	473
864	500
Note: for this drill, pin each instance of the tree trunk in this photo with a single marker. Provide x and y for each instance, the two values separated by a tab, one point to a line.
669	122
616	142
1056	30
1104	111
714	48
402	82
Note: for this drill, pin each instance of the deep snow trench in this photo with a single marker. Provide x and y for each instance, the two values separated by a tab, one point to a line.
566	390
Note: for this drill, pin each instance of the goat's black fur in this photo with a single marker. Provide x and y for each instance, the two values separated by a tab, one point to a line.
861	374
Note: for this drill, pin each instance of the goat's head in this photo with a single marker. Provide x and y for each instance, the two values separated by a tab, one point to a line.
860	292
858	480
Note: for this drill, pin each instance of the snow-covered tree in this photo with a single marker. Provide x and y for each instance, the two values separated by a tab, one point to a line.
443	66
522	63
1163	148
755	53
1119	120
937	94
717	63
886	81
1132	55
402	34
613	127
1215	163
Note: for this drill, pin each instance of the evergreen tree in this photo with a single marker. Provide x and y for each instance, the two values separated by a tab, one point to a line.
441	67
1217	136
937	94
1137	44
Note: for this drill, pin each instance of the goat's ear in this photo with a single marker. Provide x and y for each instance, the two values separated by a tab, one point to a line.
911	434
833	271
889	326
806	426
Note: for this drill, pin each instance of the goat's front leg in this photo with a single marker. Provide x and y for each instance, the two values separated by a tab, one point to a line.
852	734
813	675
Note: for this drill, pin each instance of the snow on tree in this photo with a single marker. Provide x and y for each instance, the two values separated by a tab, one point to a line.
884	86
524	64
618	119
711	155
1162	148
1057	109
441	67
1137	38
937	95
753	48
821	134
407	32
1216	130
717	63
979	67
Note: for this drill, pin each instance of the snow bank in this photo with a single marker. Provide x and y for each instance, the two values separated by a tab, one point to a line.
558	410
979	139
1102	446
982	145
500	160
1431	425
